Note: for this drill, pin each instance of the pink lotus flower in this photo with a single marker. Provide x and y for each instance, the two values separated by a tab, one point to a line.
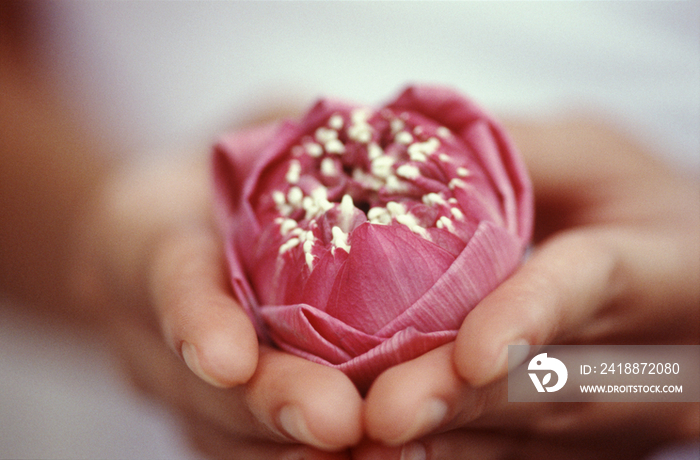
361	238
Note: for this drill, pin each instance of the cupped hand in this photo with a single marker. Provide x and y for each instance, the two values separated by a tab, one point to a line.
152	272
616	260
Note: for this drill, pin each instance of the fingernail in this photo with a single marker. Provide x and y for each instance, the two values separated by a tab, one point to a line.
413	451
428	417
292	422
506	360
189	354
518	354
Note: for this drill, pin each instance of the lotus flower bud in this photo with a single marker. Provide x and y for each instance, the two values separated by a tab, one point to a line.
361	237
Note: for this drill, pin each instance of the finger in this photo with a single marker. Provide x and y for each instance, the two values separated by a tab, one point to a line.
324	407
594	285
198	315
310	403
424	395
560	287
219	445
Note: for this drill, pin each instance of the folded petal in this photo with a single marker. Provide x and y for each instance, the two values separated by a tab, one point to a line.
318	337
310	331
388	268
235	156
491	255
403	346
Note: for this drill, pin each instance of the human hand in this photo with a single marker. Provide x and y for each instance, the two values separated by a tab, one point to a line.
617	260
152	271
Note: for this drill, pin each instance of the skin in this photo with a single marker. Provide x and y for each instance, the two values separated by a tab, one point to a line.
616	260
130	250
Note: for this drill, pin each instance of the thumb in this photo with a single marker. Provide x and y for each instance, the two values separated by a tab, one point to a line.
563	284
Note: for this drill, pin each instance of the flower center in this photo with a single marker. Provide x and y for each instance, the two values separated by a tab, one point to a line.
384	168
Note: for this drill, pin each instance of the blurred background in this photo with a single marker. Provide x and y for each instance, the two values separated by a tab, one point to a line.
154	76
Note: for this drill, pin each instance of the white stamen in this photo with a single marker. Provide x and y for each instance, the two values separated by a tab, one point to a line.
423	149
279	198
320	196
287	225
381	166
307	203
347	211
454	183
291	243
336	121
347	207
445	158
412	223
314	149
445	222
462	171
404	137
309	260
340	239
457	214
294	172
328	167
334	146
433	198
360	130
394	185
395	209
418	130
317	203
452	200
408	171
324	135
443	132
308	246
374	151
396	125
379	215
360	115
418	156
295	196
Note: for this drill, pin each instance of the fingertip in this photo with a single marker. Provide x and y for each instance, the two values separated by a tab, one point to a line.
305	402
513	314
292	422
478	369
411	399
222	358
335	416
191	357
477	360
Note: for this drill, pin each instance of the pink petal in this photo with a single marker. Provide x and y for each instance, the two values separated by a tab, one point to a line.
403	346
320	283
388	268
234	158
310	331
488	142
491	255
318	337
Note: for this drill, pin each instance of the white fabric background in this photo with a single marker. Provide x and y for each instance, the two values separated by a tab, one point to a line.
161	74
